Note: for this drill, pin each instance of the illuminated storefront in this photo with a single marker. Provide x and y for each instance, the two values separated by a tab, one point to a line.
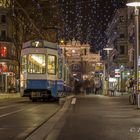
8	67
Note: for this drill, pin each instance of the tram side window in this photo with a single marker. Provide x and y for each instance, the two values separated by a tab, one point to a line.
24	64
66	72
51	64
36	63
60	68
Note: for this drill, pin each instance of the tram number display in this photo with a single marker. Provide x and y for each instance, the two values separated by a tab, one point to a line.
37	44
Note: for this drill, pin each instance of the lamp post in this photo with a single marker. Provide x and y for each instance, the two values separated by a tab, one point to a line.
106	70
136	4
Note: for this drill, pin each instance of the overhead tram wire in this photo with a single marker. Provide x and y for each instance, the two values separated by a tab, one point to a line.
31	21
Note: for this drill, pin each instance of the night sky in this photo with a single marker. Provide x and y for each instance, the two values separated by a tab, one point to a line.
86	20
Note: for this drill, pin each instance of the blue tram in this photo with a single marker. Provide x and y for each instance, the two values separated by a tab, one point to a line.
43	70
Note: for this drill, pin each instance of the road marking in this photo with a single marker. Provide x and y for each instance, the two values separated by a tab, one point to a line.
10	113
73	101
4	115
9	106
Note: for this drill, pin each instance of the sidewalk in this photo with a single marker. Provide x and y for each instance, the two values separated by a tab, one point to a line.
117	94
9	95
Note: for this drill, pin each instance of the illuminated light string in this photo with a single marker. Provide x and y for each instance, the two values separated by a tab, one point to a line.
86	20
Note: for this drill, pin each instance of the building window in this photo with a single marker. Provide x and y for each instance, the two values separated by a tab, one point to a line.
3	33
3	51
122	19
13	52
122	49
3	18
121	35
85	52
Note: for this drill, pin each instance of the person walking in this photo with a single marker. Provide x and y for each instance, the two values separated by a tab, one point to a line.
92	85
98	85
86	85
131	89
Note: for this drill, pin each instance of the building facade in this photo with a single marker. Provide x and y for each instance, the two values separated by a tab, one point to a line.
81	62
9	70
117	39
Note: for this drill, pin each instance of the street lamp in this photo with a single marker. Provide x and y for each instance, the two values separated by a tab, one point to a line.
136	4
106	70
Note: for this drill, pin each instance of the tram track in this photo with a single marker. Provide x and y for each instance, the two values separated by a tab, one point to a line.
23	118
52	115
44	129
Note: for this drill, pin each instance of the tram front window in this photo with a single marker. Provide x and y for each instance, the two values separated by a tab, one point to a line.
36	63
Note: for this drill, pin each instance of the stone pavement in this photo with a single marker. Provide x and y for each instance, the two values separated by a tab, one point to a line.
97	117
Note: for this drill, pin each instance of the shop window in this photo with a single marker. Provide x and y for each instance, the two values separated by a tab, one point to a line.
51	64
0	68
10	67
4	68
3	18
3	51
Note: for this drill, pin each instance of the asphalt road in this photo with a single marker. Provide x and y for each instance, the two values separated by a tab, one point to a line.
20	117
98	118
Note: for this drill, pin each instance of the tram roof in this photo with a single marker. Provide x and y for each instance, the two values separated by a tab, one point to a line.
40	44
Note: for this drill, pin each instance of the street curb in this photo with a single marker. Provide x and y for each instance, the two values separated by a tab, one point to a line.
9	95
42	132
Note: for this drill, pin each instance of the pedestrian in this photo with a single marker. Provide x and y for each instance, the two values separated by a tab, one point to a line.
132	91
98	85
113	90
86	85
92	85
76	85
129	85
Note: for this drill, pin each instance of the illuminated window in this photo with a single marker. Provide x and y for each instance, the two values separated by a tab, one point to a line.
36	63
0	68
3	51
51	64
4	68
